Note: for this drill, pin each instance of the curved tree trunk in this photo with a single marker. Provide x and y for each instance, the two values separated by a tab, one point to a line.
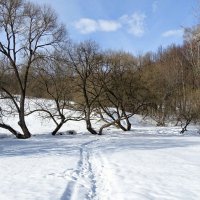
121	126
89	127
9	128
26	132
105	126
185	126
57	128
13	131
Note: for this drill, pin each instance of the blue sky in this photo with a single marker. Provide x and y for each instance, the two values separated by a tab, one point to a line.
136	26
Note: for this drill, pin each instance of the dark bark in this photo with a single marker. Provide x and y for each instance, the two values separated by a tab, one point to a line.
9	128
128	125
185	127
104	126
89	127
22	123
121	126
13	131
16	14
57	128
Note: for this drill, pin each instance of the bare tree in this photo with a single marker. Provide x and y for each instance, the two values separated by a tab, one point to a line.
164	78
191	113
55	80
123	92
84	59
28	32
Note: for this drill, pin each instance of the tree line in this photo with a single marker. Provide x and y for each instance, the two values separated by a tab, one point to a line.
38	60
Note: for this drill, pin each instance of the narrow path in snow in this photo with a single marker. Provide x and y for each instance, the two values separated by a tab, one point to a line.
83	179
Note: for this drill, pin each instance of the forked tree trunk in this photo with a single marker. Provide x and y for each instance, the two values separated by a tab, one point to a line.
128	124
9	128
88	121
26	133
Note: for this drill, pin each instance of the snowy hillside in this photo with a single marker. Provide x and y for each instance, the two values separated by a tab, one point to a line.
146	163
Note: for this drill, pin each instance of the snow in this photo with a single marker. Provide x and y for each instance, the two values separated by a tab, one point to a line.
145	163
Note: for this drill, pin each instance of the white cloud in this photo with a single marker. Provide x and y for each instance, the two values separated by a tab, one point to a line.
172	33
155	6
108	25
135	23
86	25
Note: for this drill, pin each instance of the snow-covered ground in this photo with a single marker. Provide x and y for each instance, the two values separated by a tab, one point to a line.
147	163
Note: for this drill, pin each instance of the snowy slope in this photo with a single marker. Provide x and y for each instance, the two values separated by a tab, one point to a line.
146	163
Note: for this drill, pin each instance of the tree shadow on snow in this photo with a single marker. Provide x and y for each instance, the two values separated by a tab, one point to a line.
148	143
36	146
70	145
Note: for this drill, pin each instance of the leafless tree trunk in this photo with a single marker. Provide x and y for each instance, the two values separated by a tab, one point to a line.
122	90
29	32
54	79
84	59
